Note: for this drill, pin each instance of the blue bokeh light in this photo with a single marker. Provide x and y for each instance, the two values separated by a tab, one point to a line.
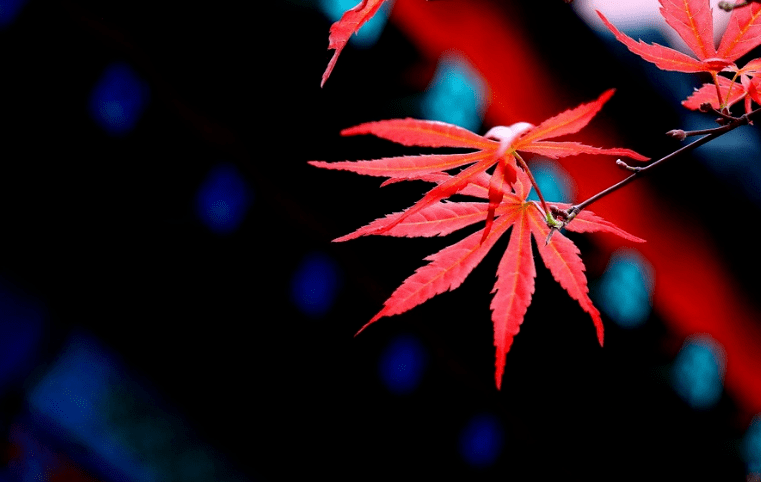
402	364
553	180
9	9
114	427
697	374
624	291
69	401
223	199
32	461
369	32
481	441
456	94
118	99
751	446
21	327
315	284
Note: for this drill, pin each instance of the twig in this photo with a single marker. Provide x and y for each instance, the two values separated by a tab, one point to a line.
729	6
638	172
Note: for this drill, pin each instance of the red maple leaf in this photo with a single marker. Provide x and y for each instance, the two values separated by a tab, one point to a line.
506	190
516	272
693	21
350	23
500	145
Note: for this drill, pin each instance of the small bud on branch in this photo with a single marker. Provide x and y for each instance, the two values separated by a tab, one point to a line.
626	166
678	134
729	6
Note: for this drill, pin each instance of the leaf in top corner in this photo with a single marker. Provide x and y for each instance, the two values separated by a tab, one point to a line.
743	32
663	57
342	30
667	58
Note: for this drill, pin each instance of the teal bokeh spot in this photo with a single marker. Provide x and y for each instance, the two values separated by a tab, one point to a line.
751	446
555	183
456	94
698	372
624	291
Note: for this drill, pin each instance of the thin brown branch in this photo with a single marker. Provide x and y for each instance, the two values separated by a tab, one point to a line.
638	172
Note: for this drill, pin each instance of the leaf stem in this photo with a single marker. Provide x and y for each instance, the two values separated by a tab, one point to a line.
641	171
729	91
533	181
718	90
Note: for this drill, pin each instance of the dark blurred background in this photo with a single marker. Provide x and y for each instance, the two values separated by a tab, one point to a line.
172	308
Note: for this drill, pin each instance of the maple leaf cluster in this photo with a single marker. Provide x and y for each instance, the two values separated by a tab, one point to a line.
504	192
504	205
693	21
